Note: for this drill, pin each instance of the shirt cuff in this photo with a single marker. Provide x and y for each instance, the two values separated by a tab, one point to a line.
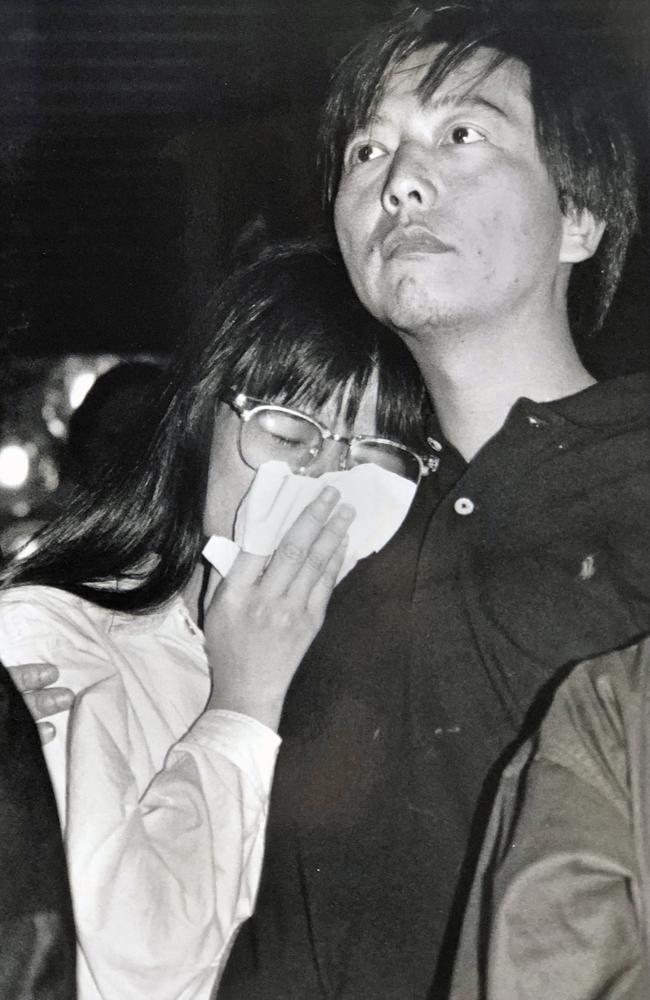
247	743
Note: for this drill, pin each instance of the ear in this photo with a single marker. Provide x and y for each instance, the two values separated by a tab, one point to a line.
581	234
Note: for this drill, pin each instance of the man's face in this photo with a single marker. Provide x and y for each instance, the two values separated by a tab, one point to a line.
445	213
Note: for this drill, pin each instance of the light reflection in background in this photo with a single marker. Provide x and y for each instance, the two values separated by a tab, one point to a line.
14	466
33	432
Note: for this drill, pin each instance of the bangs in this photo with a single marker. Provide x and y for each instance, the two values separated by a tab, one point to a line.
306	377
289	329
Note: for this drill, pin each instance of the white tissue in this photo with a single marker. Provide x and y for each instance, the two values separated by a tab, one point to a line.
277	496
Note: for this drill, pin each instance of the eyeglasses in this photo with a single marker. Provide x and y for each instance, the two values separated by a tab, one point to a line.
276	433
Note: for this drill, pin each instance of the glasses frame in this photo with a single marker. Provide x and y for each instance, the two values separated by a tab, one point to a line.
241	404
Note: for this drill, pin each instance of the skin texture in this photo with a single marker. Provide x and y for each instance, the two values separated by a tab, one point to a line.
229	478
464	167
452	232
261	621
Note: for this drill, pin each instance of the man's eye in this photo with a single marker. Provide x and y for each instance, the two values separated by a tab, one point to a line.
463	135
364	152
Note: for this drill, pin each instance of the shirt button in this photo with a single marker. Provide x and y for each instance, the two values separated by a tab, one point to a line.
463	505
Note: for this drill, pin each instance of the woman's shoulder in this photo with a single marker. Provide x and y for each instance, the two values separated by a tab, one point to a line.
40	624
32	606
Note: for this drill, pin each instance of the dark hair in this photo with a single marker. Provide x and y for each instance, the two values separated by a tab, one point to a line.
581	135
286	328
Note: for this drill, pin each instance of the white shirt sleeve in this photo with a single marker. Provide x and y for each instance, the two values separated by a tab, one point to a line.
161	878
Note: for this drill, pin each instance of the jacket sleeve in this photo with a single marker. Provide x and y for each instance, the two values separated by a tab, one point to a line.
563	919
555	908
160	878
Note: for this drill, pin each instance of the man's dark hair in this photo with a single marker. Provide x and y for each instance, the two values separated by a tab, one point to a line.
581	134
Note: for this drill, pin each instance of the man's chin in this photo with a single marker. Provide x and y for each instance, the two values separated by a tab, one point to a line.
413	311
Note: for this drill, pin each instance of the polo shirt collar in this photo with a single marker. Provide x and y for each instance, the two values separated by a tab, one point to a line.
623	401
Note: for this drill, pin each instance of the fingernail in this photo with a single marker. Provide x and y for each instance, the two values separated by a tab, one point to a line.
330	494
46	731
47	674
346	512
63	699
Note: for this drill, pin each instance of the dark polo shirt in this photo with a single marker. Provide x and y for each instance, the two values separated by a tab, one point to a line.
530	558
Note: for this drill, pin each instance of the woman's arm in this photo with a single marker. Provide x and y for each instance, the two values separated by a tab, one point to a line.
162	879
164	870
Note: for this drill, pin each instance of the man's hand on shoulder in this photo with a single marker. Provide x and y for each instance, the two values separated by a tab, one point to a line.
34	681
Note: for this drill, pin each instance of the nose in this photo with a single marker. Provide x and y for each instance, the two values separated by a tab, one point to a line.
409	185
331	458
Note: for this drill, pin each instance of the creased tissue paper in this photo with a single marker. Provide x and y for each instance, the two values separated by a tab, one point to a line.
277	496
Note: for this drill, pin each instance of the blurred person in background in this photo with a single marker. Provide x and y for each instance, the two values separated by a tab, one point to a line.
118	413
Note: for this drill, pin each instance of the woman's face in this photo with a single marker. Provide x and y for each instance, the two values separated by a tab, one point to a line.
229	478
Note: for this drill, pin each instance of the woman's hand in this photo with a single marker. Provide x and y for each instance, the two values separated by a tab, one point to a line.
33	680
261	621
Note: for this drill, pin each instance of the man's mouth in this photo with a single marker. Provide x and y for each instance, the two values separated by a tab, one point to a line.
402	242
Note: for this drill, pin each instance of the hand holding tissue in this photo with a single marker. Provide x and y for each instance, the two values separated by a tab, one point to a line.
276	498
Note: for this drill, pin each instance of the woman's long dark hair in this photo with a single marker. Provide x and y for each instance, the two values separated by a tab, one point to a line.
287	328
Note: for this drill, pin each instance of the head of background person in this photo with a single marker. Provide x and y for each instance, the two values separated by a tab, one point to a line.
491	136
117	413
286	330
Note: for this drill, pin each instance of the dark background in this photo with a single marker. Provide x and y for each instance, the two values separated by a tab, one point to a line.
137	137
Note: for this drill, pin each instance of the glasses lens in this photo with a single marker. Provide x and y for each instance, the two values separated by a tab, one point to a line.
388	456
275	435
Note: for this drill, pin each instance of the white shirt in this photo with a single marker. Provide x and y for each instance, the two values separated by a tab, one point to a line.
164	816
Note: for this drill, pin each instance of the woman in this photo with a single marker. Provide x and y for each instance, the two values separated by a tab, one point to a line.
164	773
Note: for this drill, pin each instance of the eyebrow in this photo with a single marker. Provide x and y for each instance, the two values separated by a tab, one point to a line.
465	100
448	101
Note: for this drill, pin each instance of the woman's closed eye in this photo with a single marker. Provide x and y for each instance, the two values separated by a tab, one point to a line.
281	441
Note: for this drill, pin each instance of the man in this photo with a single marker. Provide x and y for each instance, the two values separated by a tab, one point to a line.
472	164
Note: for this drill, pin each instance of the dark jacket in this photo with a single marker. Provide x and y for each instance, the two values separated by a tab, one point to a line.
561	901
37	939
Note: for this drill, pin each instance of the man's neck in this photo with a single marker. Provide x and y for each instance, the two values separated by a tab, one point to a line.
474	377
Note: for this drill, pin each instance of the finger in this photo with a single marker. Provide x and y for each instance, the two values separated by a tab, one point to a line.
294	548
323	588
46	732
33	676
246	570
49	701
319	555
